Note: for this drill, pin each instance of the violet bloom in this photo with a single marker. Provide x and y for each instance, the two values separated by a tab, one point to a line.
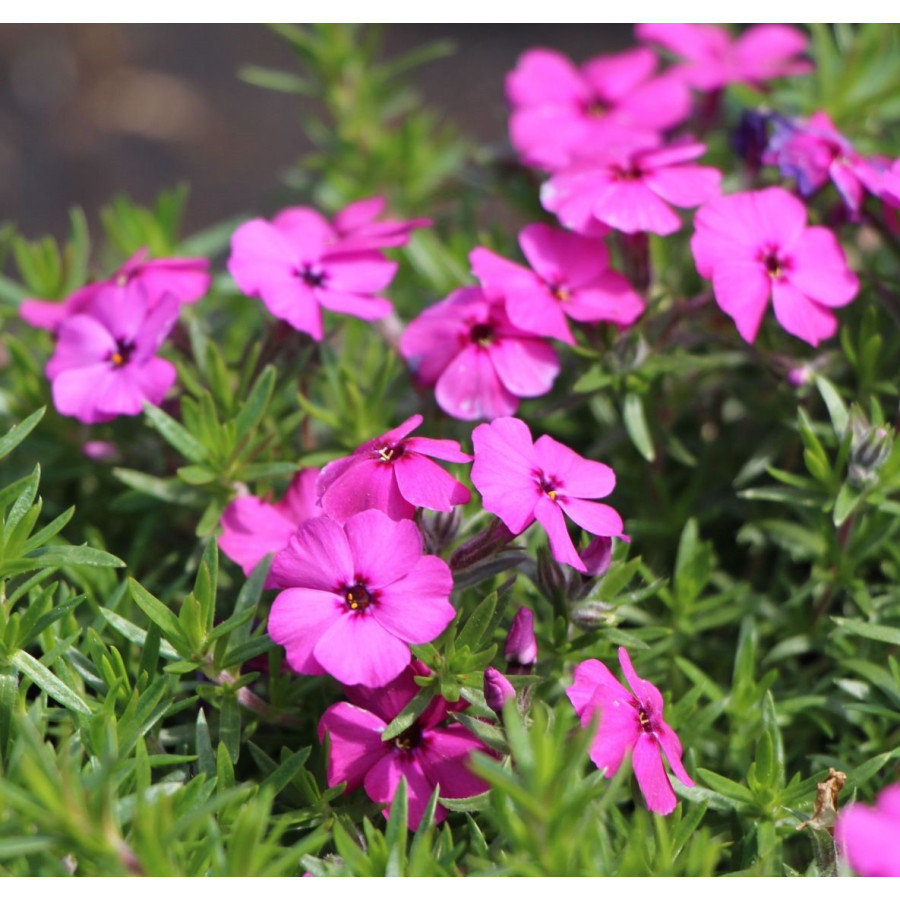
297	267
521	480
814	152
105	364
186	279
394	474
631	190
756	245
356	597
869	836
359	227
520	648
561	111
430	752
713	60
479	362
497	689
630	721
253	528
571	277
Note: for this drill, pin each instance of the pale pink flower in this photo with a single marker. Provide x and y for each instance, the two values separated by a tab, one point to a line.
429	753
359	226
479	362
630	721
560	111
356	597
186	279
714	60
296	265
521	480
631	190
393	473
869	836
105	364
569	276
755	246
253	528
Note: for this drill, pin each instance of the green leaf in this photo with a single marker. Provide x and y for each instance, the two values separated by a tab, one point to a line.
19	432
837	410
254	407
63	555
472	633
410	712
48	682
869	630
636	425
726	787
158	613
175	433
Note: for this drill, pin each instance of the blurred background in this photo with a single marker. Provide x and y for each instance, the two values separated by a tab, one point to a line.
89	111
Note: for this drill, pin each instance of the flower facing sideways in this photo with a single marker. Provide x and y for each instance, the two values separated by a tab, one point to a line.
630	721
356	596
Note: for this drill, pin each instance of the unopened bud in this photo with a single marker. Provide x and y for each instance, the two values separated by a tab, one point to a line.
520	649
497	689
551	578
439	529
592	614
484	545
597	556
870	447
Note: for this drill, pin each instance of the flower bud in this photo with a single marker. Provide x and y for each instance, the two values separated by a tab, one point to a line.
484	545
497	689
592	614
439	529
520	649
551	577
597	556
751	136
870	447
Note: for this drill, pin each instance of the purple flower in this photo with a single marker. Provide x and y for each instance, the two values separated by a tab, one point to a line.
394	474
187	279
105	364
520	648
497	689
756	245
253	528
430	752
713	59
521	480
571	277
297	266
561	112
479	362
630	190
356	597
869	836
357	227
630	721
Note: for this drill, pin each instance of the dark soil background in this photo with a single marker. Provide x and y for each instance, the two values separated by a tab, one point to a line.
88	111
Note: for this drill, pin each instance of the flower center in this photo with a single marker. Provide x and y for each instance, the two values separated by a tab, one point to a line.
548	485
644	720
630	173
310	275
595	108
122	354
390	452
482	334
409	739
357	598
560	291
775	264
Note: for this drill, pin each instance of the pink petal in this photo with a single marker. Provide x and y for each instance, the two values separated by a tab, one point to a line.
120	310
647	693
82	341
764	51
630	206
801	316
742	290
300	500
187	279
440	449
306	230
153	379
369	484
431	342
498	275
820	269
297	621
526	367
548	137
672	748
545	77
317	556
616	76
651	776
445	757
360	213
589	676
388	700
869	840
595	518
685	186
424	483
469	387
551	518
417	608
259	254
674	154
75	393
155	328
363	307
659	103
618	732
382	780
362	272
383	550
561	257
355	649
577	476
291	300
251	529
538	312
356	744
610	298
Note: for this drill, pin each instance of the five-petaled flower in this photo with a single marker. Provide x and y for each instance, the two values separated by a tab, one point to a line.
521	480
356	596
630	721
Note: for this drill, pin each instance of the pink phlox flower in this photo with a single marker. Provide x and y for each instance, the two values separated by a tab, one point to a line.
479	362
814	152
296	265
569	276
105	364
630	721
431	752
631	190
187	279
356	596
713	60
357	226
521	480
755	246
252	528
869	836
393	473
561	111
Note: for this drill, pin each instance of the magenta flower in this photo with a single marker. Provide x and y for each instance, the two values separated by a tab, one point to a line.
394	474
571	277
479	362
756	245
253	528
356	597
497	689
105	364
357	226
560	112
629	721
430	752
520	648
521	480
297	266
187	279
713	60
631	190
869	836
